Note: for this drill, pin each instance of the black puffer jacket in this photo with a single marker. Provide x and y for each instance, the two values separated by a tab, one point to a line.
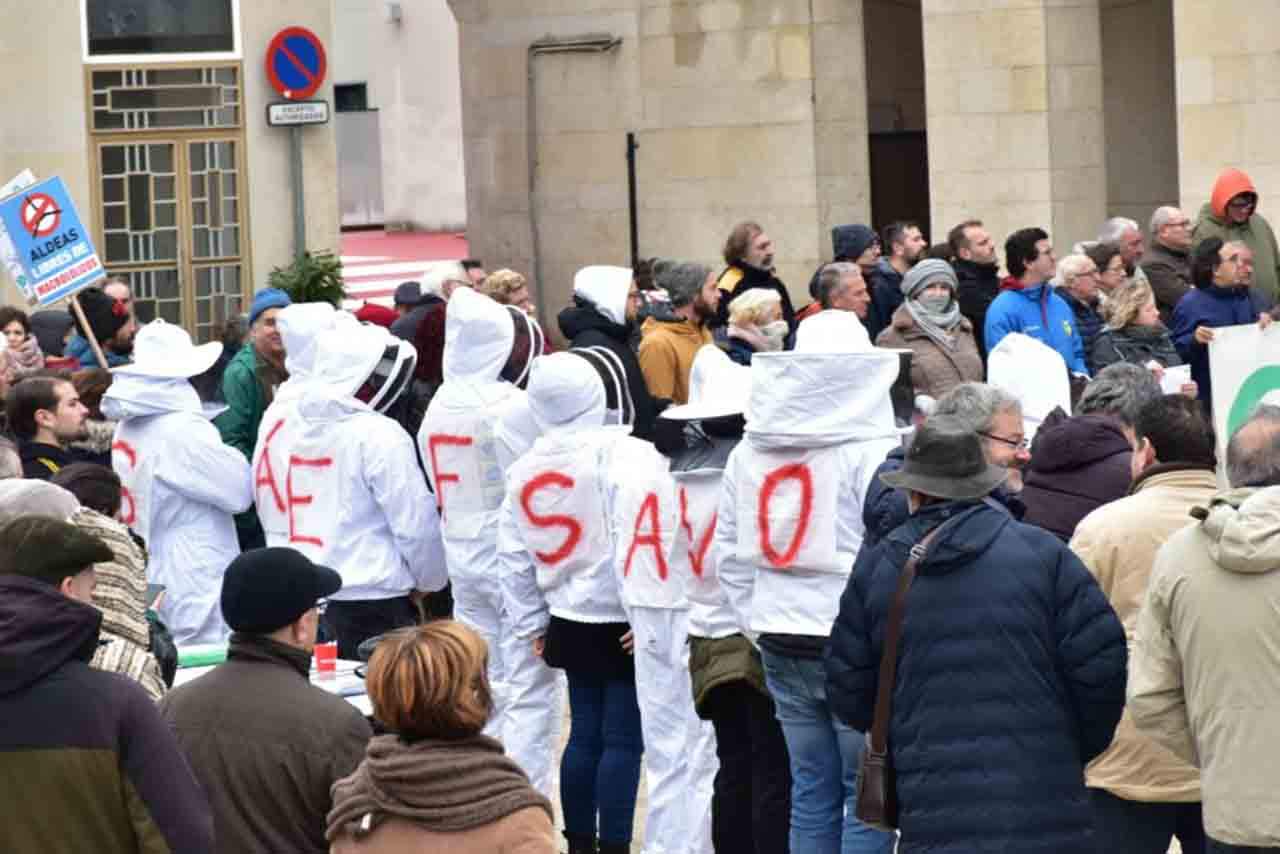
979	286
585	326
737	280
1011	677
1135	344
1077	465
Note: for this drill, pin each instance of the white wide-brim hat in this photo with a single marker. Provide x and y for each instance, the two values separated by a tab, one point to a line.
164	350
718	387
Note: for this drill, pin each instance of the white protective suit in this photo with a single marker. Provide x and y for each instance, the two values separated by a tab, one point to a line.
458	444
819	423
347	477
557	541
676	510
182	488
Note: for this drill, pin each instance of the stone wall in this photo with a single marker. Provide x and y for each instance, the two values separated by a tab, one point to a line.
1228	83
1014	100
731	119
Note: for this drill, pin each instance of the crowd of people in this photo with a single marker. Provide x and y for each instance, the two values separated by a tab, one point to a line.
710	521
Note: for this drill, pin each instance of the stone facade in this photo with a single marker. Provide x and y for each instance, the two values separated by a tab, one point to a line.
1051	112
44	125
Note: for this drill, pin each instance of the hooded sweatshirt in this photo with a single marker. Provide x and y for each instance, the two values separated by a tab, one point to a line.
790	515
1039	312
1255	232
354	497
598	318
1077	465
1203	676
557	541
182	487
86	763
456	439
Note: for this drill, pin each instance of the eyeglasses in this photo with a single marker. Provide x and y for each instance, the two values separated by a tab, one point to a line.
1241	204
1179	223
1023	444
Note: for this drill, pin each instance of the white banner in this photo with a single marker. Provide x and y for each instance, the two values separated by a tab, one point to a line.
1244	366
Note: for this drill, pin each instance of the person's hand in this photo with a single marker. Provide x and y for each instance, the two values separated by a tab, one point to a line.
539	646
1191	390
1157	370
1204	334
628	642
1264	320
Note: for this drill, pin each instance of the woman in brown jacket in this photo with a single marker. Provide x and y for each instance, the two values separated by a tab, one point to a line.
944	353
436	784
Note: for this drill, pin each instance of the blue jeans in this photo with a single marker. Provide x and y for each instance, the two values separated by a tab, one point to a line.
600	770
824	762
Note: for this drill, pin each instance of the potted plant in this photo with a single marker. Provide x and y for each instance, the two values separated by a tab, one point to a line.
312	277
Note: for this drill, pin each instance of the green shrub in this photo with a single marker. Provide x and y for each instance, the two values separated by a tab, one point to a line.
312	277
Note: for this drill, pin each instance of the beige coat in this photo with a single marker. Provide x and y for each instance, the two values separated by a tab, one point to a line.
935	370
527	831
1118	543
1204	679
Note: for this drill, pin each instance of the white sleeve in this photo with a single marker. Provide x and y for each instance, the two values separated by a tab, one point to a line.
521	598
737	577
400	490
203	469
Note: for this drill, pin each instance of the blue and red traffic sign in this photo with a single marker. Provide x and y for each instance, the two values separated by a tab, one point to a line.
296	63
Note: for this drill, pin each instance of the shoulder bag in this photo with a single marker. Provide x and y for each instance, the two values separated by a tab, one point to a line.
877	801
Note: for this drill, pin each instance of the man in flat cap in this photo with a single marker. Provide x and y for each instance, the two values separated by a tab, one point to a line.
264	742
86	762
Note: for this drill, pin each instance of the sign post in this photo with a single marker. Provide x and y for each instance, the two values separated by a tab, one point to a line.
296	66
52	247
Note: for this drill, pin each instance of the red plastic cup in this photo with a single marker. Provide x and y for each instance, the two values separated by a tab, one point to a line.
326	657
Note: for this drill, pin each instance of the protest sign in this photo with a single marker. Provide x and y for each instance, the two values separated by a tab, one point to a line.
52	245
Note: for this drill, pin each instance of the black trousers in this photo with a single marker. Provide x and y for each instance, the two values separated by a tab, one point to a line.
1212	846
751	803
351	623
1138	827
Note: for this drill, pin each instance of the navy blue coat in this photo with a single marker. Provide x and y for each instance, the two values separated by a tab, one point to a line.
1213	307
1011	677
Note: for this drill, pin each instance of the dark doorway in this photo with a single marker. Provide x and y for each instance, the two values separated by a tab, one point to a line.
900	179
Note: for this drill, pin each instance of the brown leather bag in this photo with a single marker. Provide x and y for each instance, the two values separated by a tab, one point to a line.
877	803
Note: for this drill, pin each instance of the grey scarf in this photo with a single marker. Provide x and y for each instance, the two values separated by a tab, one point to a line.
938	325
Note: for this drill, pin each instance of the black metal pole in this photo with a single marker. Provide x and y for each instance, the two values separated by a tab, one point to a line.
631	198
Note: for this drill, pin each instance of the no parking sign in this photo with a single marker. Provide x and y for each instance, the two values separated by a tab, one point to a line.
51	243
296	63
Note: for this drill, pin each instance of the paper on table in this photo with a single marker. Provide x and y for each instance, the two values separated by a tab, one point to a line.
1175	378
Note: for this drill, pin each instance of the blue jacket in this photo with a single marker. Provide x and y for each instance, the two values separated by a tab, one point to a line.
1040	313
78	348
1011	677
1211	306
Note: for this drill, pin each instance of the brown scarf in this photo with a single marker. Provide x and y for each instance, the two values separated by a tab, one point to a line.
446	786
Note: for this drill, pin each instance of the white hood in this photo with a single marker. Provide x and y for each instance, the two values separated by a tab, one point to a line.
606	288
478	337
136	396
342	365
818	399
302	326
832	331
566	393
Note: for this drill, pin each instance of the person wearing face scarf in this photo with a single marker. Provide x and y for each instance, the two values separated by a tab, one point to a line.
930	325
755	326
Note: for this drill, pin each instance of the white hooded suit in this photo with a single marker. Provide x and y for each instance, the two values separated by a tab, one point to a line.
459	445
182	488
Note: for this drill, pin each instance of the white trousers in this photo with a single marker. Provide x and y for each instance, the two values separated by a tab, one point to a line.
679	747
528	696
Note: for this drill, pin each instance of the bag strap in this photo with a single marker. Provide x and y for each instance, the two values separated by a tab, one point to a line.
889	656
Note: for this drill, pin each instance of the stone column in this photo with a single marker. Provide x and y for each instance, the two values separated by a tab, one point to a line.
1015	109
1228	85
